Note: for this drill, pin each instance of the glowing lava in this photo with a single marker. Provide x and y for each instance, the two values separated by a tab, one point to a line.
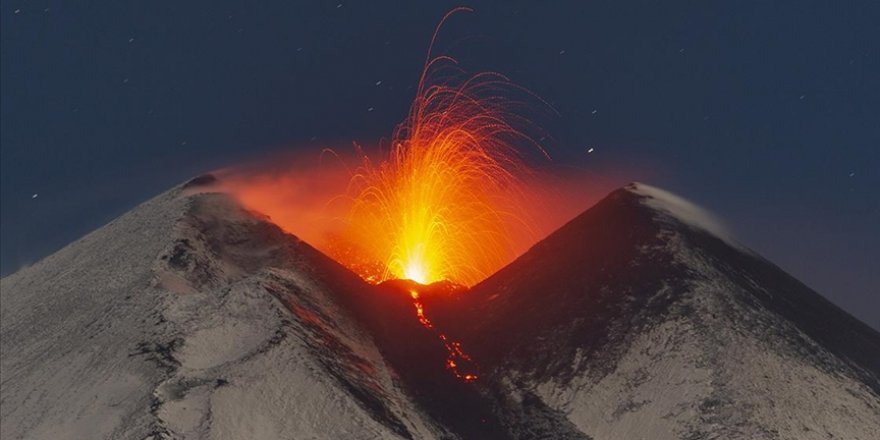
444	203
458	362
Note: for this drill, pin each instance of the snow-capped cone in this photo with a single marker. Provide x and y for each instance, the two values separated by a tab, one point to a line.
642	318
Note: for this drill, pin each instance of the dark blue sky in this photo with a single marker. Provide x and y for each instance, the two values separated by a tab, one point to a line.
765	112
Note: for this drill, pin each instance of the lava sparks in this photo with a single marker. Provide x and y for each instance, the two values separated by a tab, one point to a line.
458	362
444	203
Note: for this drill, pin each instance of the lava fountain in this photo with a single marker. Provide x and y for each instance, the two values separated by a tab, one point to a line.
444	201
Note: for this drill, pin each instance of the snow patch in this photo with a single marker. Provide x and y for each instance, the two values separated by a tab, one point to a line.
683	210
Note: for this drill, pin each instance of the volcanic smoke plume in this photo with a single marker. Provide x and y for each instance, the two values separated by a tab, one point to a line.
200	315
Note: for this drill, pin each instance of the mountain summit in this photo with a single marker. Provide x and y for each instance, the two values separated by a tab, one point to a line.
642	318
191	317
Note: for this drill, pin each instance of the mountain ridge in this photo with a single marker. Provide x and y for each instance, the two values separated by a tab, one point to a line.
191	317
585	311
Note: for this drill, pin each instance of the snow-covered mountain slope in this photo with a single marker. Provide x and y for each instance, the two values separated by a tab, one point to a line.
191	318
642	319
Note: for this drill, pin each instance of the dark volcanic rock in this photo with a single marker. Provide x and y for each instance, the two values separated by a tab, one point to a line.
641	318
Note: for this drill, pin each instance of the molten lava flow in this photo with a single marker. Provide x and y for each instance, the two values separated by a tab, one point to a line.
458	362
445	201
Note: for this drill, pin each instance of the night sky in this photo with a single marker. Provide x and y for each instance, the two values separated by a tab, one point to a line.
766	113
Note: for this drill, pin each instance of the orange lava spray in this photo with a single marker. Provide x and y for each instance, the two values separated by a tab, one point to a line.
444	202
458	362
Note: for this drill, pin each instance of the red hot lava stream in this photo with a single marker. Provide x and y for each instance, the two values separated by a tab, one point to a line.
458	362
445	202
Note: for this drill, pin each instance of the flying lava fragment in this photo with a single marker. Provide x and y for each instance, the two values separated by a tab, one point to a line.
443	202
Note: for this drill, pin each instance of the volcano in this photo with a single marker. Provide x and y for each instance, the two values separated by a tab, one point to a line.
192	317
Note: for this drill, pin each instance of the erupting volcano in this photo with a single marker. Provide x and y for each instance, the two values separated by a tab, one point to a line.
206	312
444	201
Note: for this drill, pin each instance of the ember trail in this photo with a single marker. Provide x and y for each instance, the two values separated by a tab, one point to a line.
445	200
458	362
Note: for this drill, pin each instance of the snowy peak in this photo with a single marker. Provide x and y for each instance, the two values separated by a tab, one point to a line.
637	320
637	252
191	317
680	209
782	293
